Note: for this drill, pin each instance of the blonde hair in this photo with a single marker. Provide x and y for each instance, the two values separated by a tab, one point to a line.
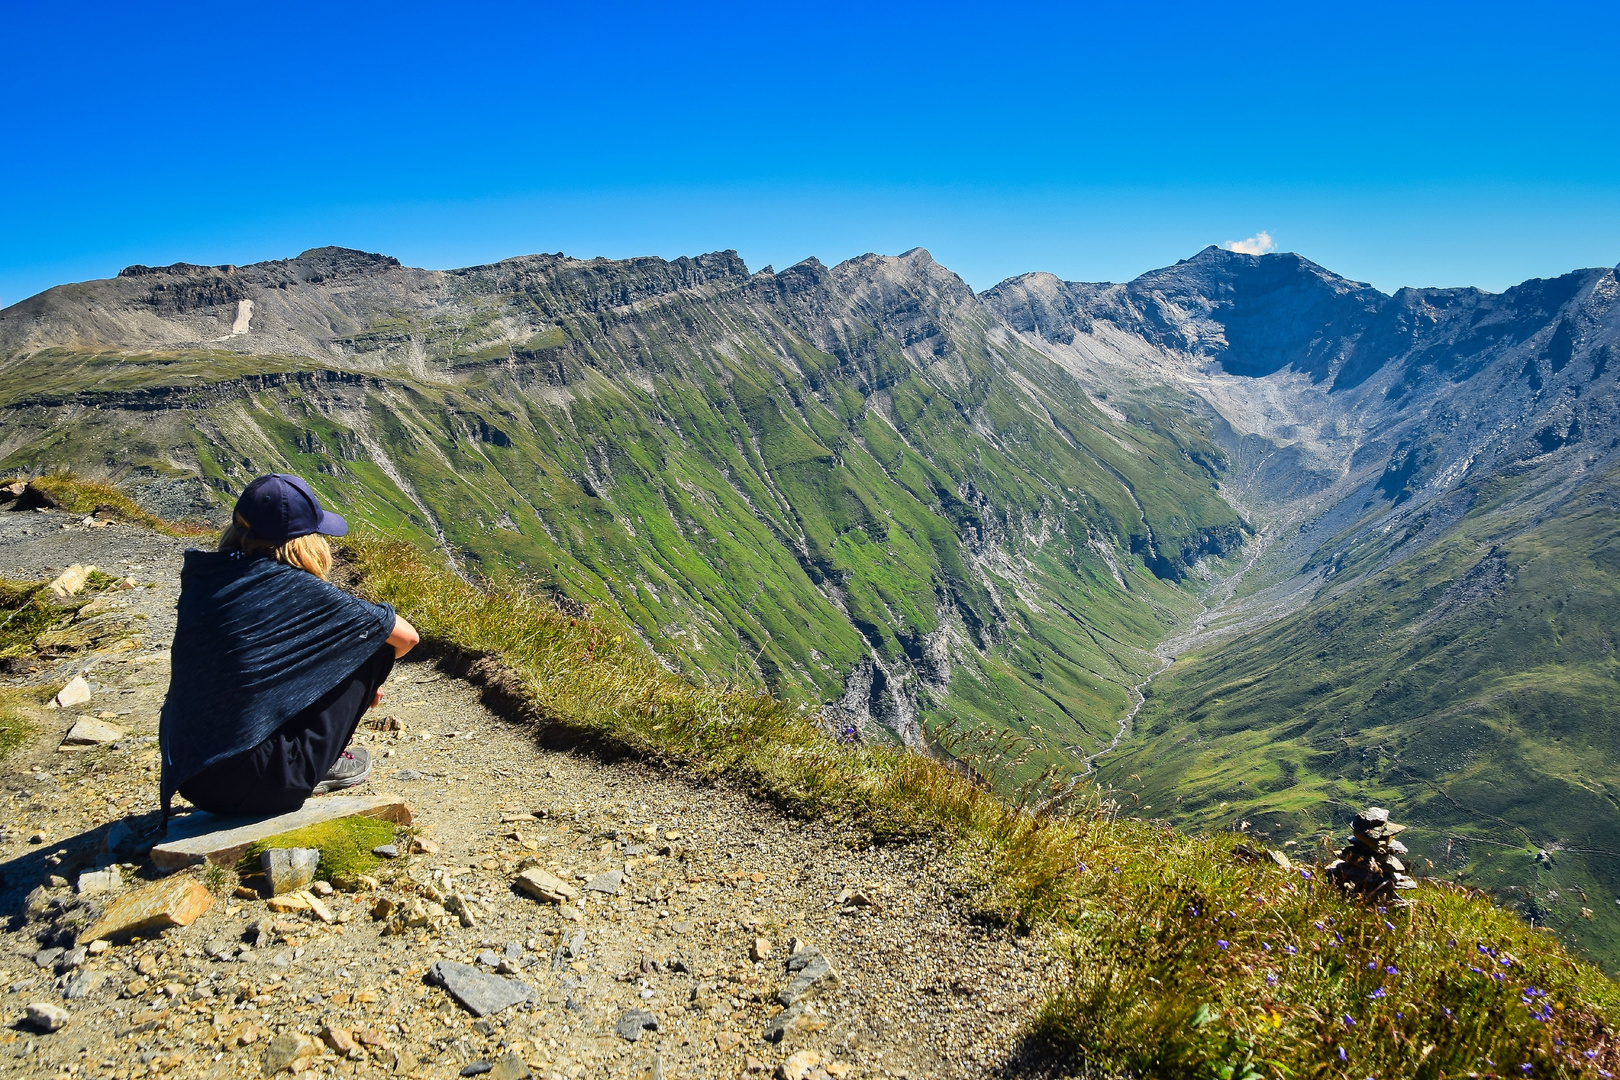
310	552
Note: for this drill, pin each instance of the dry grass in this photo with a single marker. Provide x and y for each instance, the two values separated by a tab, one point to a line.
1190	956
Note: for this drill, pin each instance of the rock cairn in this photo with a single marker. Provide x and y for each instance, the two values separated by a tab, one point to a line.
1371	865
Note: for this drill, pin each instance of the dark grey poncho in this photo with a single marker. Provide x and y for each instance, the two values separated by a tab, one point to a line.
257	642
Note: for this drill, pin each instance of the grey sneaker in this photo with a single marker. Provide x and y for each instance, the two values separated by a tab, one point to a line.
354	767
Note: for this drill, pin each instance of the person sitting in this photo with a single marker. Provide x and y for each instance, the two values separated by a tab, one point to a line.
272	666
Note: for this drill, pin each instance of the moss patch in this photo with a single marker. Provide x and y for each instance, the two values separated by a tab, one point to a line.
345	845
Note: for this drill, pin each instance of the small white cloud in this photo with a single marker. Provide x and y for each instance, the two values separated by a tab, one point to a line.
1258	244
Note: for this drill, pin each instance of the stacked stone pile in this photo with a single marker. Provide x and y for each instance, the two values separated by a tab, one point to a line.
1371	865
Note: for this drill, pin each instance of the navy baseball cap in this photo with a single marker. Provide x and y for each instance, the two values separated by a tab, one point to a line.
279	508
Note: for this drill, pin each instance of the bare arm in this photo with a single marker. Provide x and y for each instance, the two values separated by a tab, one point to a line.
404	638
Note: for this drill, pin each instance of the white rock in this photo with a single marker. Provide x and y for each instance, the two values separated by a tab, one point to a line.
47	1017
289	869
88	732
96	882
74	693
71	580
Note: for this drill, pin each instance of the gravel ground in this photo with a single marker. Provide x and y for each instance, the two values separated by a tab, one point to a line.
710	876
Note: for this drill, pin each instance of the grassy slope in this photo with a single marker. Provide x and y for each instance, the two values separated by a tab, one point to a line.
708	494
1473	686
1190	958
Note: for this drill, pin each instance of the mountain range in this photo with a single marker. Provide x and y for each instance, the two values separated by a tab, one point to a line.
1259	544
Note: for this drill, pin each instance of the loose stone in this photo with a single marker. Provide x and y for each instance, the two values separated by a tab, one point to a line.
158	906
608	882
544	886
480	993
43	1016
633	1023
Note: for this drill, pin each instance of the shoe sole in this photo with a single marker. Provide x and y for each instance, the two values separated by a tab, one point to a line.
326	787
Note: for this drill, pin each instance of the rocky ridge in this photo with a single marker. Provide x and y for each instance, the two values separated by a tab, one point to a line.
848	483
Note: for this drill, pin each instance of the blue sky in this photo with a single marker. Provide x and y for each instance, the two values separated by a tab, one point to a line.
1457	144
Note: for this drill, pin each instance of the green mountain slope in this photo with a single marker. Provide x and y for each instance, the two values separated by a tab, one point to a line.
846	483
1375	531
1429	620
1473	685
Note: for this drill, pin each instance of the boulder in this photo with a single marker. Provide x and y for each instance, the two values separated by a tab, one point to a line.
203	837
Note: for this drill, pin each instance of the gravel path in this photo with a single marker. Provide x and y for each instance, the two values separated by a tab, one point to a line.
711	879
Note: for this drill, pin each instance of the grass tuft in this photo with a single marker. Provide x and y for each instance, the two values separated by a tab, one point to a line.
1189	955
77	495
15	726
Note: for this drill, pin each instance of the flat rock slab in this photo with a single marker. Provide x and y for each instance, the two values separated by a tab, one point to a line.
158	906
606	883
200	837
479	992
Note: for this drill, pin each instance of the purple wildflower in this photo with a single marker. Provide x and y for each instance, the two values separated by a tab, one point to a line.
1290	950
1349	1021
1378	993
1306	874
1271	980
1392	970
1342	1055
1223	943
1389	926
